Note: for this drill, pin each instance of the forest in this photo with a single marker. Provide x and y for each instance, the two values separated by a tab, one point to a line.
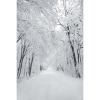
49	34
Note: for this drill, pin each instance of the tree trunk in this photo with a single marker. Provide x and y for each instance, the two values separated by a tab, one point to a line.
24	48
72	48
20	66
78	55
30	65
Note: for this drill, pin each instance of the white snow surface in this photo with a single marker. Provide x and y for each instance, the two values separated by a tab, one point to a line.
50	85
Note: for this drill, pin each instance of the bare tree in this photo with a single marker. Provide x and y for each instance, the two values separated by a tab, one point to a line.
24	48
30	64
69	9
72	47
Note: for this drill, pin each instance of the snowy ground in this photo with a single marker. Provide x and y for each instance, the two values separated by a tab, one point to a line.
50	85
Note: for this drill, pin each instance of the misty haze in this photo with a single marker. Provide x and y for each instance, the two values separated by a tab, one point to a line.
49	49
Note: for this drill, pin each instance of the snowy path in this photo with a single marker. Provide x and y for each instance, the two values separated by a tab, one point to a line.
50	85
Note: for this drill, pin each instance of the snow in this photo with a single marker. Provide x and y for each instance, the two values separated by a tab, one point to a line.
50	85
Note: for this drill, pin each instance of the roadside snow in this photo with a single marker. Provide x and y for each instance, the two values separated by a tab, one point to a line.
50	85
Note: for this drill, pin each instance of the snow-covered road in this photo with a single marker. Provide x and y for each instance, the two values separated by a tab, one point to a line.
50	85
